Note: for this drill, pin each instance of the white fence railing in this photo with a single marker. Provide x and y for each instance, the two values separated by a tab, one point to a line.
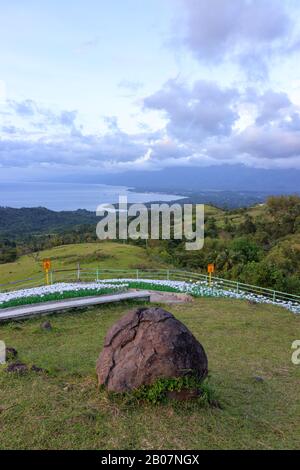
97	274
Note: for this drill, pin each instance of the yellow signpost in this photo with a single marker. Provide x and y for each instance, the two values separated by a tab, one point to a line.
47	266
210	270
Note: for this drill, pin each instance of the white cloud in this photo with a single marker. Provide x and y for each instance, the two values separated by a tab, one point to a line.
247	32
204	124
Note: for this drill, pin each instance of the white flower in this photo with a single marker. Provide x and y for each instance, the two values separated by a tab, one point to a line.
198	288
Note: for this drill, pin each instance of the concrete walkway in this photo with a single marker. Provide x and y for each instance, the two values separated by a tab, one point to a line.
46	308
169	297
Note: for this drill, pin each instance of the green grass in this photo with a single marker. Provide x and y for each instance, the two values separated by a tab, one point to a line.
64	409
91	255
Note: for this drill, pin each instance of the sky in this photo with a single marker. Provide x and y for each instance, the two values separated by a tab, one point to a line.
92	87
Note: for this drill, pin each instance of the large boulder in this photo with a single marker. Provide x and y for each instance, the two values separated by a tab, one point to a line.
145	345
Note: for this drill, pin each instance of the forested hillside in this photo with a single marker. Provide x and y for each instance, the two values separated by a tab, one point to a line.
259	245
19	222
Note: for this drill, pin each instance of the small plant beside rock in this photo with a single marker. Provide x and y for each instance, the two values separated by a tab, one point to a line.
179	389
11	353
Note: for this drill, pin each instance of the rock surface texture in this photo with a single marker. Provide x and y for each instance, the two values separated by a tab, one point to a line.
145	345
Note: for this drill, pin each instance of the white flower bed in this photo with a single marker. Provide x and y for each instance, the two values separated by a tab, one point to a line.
201	289
58	288
198	289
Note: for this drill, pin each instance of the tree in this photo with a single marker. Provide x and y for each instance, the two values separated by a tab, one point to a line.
8	251
211	229
284	211
244	250
247	226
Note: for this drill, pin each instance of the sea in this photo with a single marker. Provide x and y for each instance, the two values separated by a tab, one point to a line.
72	196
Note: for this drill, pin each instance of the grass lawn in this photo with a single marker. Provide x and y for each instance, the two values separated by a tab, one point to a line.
90	255
65	410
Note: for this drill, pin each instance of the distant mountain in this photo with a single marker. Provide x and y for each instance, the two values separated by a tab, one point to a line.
224	177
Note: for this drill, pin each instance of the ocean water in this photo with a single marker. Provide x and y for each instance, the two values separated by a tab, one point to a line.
71	196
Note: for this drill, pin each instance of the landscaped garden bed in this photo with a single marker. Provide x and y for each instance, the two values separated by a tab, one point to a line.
55	292
61	291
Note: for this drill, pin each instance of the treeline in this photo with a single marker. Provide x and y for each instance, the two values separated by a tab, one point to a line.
260	248
8	251
11	250
28	230
17	223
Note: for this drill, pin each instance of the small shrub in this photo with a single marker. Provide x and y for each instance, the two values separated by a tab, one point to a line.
158	392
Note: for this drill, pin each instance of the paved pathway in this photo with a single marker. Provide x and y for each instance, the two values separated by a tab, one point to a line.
169	297
27	311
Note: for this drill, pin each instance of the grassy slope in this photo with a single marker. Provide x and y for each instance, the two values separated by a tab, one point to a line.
102	254
235	219
66	410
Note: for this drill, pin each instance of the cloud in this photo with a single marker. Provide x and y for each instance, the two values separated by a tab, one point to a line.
202	127
195	113
132	86
41	116
9	129
87	45
204	122
292	123
67	118
247	32
268	143
74	150
272	106
23	108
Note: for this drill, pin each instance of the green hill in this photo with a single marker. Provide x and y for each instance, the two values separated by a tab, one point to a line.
90	255
15	223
